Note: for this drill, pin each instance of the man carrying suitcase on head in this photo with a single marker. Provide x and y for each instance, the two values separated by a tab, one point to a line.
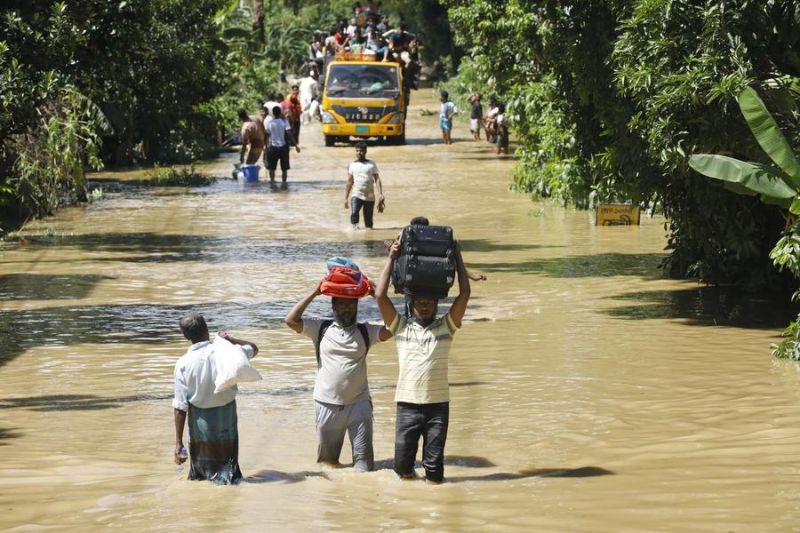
341	392
422	394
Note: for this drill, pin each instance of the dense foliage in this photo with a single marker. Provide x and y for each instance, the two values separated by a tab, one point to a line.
610	97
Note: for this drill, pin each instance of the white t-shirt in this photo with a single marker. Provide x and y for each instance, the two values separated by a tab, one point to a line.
308	87
195	373
363	179
278	130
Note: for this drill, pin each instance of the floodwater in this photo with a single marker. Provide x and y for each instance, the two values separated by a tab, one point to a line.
588	393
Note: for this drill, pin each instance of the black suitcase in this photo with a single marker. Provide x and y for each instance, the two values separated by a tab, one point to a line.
435	241
419	275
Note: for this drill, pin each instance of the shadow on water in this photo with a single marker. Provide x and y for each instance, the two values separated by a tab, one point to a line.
82	402
114	324
8	433
91	402
47	286
583	471
707	306
274	476
485	245
584	266
143	324
157	248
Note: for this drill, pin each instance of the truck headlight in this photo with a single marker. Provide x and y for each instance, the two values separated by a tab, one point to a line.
397	118
327	117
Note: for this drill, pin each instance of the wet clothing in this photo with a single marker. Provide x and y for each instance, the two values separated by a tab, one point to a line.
332	423
214	444
212	420
422	393
341	390
277	155
364	173
356	205
502	131
446	112
195	373
430	421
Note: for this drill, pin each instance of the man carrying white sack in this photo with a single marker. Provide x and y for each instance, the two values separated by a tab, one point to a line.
213	431
342	403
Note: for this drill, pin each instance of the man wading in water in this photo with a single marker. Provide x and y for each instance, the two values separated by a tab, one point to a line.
341	392
362	176
422	395
213	431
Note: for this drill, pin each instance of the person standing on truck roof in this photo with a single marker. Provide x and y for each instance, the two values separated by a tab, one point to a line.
252	138
279	138
341	392
362	176
446	112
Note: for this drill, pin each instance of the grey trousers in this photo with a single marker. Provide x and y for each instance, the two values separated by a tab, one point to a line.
332	422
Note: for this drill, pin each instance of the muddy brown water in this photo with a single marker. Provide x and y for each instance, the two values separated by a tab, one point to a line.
588	393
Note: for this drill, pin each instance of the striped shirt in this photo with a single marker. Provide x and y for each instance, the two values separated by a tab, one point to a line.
423	356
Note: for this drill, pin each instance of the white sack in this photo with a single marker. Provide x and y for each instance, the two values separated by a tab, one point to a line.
232	365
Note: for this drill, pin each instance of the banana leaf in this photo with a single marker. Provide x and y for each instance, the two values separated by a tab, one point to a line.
766	132
761	179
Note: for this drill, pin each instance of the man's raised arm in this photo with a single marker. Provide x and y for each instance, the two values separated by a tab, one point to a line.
295	317
385	305
459	306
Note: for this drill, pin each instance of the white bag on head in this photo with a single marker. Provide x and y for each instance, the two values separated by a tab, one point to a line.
232	365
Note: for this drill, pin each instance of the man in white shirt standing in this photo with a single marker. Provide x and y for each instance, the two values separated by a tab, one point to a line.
213	425
279	138
362	176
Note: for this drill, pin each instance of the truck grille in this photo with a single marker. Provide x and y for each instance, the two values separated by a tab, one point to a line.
361	113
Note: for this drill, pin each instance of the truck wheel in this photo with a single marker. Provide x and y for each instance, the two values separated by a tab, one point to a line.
401	139
329	140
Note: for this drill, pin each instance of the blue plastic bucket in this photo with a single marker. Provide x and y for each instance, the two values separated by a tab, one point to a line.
250	172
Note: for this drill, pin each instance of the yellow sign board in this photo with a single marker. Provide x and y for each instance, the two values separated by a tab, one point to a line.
617	215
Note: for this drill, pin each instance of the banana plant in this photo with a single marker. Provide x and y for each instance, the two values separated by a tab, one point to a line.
777	183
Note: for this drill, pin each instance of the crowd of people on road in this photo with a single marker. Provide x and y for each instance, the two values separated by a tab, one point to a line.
492	121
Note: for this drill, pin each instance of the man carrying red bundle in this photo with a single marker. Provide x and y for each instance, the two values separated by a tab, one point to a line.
341	392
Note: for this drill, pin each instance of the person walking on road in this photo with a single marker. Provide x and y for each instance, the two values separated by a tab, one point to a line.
213	431
341	391
422	393
253	141
294	111
446	112
279	138
362	177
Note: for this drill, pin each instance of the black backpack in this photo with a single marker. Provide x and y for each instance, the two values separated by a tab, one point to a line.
323	327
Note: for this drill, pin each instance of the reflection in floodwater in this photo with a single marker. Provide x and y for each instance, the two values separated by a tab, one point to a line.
580	266
47	286
706	306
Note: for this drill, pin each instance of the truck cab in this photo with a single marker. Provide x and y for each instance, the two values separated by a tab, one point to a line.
362	97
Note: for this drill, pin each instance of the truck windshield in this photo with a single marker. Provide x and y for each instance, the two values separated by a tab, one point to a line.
359	81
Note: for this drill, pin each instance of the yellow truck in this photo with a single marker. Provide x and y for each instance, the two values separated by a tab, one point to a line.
362	97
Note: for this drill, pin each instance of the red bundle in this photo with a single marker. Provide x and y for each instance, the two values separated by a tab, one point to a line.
342	282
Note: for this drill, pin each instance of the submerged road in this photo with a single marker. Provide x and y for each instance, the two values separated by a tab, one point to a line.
587	392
